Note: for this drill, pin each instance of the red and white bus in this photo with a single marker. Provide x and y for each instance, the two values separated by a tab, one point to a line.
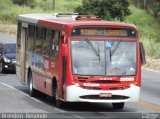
79	58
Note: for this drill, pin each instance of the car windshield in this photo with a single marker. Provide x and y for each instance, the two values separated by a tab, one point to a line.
10	48
95	57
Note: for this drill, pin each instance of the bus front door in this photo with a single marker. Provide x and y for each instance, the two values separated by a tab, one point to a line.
21	53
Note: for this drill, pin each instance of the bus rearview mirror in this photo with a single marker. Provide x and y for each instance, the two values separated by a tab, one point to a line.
62	39
142	54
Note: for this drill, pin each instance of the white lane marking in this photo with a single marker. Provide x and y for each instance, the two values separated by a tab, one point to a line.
29	96
79	117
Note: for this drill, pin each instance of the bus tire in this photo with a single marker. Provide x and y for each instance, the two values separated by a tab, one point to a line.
118	105
59	103
32	91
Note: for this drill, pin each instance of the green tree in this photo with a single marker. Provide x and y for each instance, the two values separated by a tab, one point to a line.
106	9
153	6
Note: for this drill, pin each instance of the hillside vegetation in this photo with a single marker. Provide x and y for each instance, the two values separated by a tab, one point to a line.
10	11
148	26
149	30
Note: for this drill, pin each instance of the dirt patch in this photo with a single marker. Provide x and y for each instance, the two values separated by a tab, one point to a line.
152	63
8	28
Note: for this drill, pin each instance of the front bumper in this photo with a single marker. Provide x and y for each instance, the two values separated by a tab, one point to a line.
78	94
9	66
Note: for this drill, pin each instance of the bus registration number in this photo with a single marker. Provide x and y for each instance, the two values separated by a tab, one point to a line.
105	95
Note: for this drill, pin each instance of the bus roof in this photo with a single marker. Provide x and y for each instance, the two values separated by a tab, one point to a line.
72	20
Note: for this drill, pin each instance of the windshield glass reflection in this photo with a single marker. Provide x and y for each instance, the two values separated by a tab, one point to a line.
91	57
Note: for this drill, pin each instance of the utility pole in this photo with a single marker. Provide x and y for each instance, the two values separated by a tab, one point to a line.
145	4
54	4
138	3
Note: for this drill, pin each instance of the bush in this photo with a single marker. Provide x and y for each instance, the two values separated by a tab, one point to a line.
24	2
106	9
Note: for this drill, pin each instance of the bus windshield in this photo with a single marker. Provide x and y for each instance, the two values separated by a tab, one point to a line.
101	57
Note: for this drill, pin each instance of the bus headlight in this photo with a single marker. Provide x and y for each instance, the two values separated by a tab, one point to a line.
77	84
6	60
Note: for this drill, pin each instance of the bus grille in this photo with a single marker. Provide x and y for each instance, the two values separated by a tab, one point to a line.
97	97
97	81
105	81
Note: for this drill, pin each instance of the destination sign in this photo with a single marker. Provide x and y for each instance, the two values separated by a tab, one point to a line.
103	32
110	32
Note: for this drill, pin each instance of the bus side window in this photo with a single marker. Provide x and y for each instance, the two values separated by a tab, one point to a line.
31	36
47	41
39	39
55	44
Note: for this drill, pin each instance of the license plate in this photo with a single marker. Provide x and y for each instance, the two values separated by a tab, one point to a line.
105	95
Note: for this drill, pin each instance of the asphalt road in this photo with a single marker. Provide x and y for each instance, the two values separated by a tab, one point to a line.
150	91
6	38
14	98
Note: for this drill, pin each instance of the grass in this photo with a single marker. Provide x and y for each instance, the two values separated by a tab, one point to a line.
9	11
148	28
147	25
67	5
8	28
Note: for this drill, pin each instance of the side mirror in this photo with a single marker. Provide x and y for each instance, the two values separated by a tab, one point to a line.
63	45
63	37
142	53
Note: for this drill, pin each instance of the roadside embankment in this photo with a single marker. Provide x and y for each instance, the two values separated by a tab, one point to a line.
8	28
152	64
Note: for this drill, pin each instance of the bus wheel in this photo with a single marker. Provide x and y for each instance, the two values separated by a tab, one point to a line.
58	102
118	105
32	91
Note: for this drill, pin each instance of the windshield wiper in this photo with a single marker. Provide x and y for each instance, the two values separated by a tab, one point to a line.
93	49
115	48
